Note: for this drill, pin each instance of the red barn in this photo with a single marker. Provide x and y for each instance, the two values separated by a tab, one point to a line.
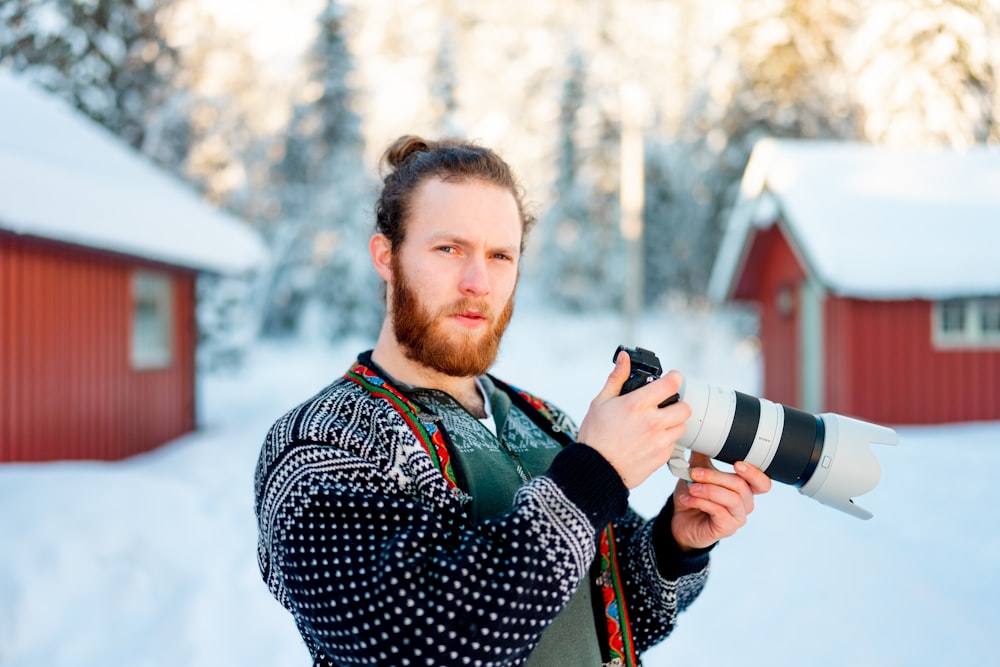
99	253
876	275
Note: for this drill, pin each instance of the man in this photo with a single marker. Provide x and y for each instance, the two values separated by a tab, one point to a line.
419	511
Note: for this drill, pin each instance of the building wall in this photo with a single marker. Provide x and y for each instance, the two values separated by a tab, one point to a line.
882	366
779	294
878	358
67	386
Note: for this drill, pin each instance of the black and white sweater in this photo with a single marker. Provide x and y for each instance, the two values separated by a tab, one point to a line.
364	538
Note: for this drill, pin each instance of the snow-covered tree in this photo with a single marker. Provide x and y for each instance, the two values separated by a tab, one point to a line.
578	265
925	71
671	236
219	76
325	201
443	84
108	58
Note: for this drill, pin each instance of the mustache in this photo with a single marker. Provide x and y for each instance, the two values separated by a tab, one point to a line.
465	305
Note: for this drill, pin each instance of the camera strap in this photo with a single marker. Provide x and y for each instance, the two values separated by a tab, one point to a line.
605	574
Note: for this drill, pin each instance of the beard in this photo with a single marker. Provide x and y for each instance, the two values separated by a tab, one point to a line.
424	339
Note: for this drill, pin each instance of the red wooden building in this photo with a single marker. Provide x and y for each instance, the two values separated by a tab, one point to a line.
876	275
99	254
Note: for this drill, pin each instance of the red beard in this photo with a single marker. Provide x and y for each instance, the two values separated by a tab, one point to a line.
425	341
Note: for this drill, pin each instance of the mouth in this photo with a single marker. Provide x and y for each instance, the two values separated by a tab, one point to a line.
470	317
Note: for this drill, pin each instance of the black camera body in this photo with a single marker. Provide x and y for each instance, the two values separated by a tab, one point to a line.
645	367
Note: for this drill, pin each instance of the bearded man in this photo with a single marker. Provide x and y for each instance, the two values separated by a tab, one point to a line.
419	511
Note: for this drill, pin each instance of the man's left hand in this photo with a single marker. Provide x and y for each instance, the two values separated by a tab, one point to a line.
715	504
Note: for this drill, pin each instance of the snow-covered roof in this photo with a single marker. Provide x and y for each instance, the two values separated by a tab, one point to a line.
872	222
64	177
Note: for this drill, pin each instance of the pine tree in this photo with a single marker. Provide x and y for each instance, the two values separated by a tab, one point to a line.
565	269
926	71
109	59
443	84
581	248
667	216
319	248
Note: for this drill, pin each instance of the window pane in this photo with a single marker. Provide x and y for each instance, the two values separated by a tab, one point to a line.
953	316
152	305
989	316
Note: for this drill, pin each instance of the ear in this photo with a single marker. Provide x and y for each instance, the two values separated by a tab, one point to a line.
380	249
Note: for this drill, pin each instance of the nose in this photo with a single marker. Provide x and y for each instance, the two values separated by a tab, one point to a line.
475	279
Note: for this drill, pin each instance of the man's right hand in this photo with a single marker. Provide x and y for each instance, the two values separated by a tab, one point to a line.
631	432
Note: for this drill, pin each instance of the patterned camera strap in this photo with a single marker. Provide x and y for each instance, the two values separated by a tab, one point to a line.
606	574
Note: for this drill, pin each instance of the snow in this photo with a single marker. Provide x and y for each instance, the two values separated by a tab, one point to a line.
64	177
874	221
151	561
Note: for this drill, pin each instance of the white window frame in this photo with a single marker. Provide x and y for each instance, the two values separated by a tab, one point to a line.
974	332
151	320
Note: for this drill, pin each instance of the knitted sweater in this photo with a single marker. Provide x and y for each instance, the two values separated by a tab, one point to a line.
365	539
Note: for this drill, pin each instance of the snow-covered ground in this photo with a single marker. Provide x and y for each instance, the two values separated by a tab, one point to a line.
151	561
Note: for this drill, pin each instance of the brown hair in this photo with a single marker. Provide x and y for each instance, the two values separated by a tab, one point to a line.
411	160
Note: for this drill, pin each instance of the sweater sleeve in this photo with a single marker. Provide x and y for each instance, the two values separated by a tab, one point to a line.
671	560
591	483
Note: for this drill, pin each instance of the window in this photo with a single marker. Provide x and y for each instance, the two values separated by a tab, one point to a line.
989	312
152	307
953	317
967	322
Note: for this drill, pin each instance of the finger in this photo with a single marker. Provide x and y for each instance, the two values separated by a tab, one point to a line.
721	503
662	389
619	374
758	481
730	483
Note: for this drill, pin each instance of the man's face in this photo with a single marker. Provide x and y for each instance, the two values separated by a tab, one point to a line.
453	279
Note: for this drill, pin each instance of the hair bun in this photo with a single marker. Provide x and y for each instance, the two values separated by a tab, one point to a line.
403	149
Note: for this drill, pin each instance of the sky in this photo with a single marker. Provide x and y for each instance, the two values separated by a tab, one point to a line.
150	561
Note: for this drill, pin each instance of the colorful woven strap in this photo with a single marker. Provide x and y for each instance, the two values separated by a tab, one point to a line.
622	650
429	434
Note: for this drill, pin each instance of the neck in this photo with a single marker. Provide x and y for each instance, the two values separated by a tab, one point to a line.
391	357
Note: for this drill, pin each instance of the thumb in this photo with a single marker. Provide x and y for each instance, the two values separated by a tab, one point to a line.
699	460
619	374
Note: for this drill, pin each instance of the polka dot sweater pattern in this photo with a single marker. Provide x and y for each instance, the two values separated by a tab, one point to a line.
366	544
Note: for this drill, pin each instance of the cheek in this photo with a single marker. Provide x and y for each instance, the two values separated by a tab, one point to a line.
429	284
506	284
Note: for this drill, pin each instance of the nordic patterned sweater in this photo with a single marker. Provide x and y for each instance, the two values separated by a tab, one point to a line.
365	539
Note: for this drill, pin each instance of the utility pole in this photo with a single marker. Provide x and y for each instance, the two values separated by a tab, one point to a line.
634	104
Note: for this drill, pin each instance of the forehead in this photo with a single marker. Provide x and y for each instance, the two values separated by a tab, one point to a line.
474	208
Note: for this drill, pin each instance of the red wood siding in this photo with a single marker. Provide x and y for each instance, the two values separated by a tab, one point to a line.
67	388
879	361
778	269
881	365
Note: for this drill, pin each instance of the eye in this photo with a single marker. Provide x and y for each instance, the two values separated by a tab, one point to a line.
502	256
447	249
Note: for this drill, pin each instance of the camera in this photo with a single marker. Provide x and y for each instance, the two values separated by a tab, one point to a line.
825	456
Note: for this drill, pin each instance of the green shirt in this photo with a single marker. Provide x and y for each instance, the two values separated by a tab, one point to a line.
491	468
